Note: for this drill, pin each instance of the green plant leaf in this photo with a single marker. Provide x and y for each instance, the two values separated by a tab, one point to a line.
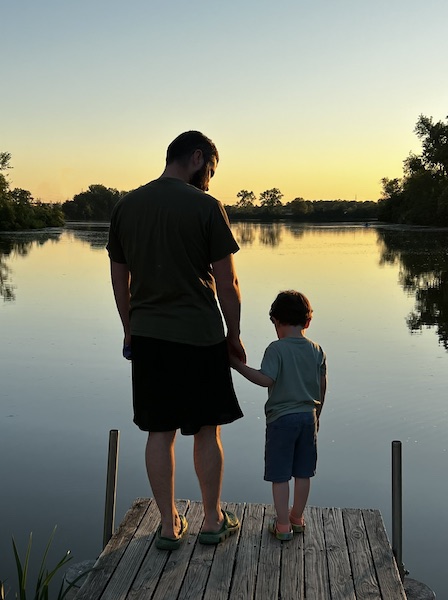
61	563
42	568
44	576
22	571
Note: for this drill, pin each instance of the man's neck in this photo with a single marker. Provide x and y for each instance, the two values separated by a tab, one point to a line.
176	171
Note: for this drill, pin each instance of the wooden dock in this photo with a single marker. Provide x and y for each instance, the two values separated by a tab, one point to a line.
344	554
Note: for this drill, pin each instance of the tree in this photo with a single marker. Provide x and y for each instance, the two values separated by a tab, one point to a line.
434	138
270	200
299	207
420	197
5	157
18	209
96	203
246	200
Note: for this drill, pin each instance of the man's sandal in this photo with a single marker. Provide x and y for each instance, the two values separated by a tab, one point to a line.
165	543
229	526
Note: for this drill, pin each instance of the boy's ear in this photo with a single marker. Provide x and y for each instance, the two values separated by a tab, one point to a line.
307	324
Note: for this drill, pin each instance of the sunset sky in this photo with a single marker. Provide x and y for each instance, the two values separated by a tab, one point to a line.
317	98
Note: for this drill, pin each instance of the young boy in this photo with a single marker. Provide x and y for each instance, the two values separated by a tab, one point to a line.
294	370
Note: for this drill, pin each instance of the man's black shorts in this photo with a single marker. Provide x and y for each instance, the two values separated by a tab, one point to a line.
180	386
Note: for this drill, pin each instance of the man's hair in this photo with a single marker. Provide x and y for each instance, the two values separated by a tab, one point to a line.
291	308
186	143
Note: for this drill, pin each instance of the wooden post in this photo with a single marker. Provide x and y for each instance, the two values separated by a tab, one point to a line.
397	512
111	486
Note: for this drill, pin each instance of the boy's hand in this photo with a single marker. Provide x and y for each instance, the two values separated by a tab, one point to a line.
235	362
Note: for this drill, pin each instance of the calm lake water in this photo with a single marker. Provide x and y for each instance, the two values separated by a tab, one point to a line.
380	299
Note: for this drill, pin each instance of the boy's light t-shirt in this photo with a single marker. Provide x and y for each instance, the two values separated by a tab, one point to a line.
296	365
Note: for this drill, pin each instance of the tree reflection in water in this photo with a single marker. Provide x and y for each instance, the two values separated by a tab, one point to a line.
271	234
268	234
93	234
423	260
18	244
244	232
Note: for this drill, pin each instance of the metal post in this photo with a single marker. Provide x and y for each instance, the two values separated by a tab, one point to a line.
111	486
397	510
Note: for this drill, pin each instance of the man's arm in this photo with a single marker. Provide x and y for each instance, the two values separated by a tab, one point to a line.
120	277
228	292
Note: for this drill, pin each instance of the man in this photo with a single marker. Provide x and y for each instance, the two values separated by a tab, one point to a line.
171	252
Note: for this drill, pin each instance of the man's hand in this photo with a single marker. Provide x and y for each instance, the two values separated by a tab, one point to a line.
236	349
127	351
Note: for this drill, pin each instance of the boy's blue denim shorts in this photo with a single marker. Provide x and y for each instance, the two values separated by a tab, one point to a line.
291	447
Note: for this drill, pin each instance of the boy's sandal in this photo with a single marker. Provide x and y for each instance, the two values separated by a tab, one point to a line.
297	528
166	543
283	537
229	526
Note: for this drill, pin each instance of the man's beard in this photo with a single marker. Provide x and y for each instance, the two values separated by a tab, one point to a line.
199	179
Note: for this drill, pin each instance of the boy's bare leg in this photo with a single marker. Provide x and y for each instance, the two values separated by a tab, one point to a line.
301	493
280	492
209	465
160	465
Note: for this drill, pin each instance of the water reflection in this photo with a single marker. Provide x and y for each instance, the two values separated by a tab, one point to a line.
422	257
97	240
94	234
245	233
267	234
19	244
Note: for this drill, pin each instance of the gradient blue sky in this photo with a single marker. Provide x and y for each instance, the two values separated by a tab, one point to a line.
316	98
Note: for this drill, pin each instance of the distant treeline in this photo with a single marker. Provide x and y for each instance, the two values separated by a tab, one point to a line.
19	210
271	207
97	202
420	197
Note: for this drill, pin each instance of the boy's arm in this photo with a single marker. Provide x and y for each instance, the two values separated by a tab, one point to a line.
251	374
323	390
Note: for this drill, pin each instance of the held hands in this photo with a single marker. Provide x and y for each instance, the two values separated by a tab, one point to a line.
236	350
235	362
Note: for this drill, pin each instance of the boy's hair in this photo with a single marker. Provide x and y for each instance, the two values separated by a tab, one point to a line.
186	143
291	308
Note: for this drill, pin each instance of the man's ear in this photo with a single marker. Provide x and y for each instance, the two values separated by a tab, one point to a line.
197	159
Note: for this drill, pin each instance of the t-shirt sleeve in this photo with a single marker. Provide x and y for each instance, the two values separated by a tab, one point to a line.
222	242
113	246
270	365
323	364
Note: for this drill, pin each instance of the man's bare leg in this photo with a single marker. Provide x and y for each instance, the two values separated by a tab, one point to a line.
209	465
160	465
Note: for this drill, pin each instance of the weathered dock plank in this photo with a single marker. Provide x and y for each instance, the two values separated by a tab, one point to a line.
385	566
98	579
344	554
268	561
339	570
246	564
221	572
364	576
